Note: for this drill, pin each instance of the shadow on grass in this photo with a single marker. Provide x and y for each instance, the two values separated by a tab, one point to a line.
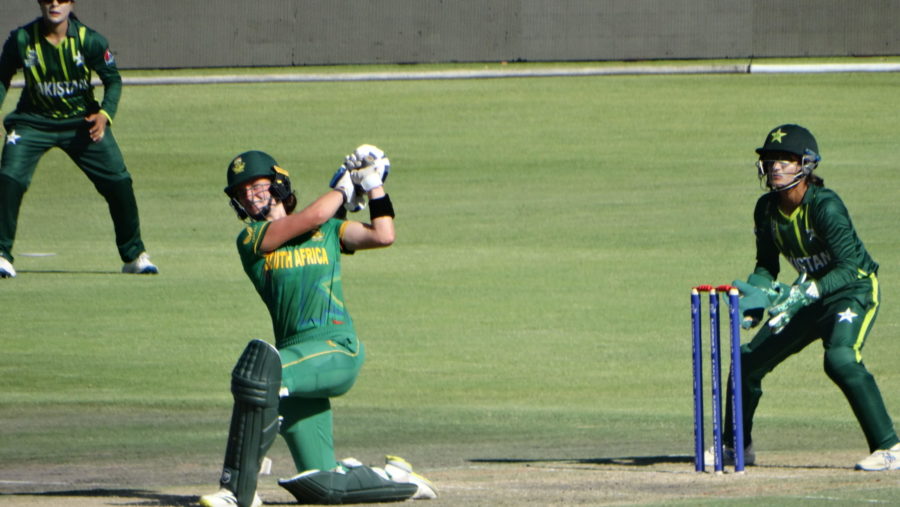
143	497
633	461
65	272
641	461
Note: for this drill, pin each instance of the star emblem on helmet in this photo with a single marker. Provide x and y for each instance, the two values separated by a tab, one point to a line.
777	135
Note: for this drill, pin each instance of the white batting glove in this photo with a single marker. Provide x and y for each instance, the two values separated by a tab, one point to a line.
367	151
358	201
373	175
342	182
368	167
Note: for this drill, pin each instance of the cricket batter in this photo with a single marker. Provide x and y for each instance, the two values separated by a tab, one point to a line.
57	109
294	262
836	298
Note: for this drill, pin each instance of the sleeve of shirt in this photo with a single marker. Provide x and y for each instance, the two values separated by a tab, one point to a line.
342	225
767	252
9	65
101	60
249	239
831	222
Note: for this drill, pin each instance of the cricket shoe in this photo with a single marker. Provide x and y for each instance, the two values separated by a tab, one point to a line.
399	470
709	457
881	460
6	269
141	266
225	498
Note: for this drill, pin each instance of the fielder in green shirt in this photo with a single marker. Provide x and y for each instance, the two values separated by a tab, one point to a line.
58	55
835	299
293	260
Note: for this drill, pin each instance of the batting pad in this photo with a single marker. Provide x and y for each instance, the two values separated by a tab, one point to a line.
255	382
359	484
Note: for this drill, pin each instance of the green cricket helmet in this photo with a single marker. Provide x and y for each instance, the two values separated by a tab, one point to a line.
252	165
793	139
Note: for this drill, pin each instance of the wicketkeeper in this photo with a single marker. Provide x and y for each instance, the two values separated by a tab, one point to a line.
835	299
294	261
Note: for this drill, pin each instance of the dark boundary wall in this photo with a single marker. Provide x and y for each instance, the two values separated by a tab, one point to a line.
239	33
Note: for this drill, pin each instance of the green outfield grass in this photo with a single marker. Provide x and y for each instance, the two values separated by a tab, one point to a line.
535	305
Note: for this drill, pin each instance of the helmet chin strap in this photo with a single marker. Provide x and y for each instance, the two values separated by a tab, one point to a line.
796	181
263	212
243	214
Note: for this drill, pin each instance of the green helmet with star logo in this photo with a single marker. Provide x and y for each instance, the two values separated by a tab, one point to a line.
795	140
790	138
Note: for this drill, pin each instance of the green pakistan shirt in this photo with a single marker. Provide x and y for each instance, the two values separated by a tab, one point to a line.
300	282
818	238
58	78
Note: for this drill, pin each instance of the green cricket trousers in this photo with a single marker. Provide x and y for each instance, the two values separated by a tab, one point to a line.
102	162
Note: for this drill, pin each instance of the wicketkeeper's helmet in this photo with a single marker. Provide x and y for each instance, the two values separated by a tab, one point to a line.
252	165
794	139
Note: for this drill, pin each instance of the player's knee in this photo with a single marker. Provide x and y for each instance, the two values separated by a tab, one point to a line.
842	367
256	378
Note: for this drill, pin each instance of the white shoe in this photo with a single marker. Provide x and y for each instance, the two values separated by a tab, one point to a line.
880	460
709	457
225	498
6	269
141	266
399	470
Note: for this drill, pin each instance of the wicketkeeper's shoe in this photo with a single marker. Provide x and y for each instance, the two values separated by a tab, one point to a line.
141	266
225	498
6	269
399	470
709	457
881	460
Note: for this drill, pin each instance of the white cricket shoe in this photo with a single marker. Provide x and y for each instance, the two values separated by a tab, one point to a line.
399	470
225	498
6	269
709	457
141	266
881	460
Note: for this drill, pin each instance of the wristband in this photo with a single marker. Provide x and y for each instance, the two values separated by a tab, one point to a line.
381	207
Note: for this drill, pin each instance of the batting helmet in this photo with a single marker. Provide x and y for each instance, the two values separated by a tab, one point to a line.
252	165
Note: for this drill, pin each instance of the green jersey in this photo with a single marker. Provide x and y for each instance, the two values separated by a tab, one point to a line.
300	282
58	78
818	238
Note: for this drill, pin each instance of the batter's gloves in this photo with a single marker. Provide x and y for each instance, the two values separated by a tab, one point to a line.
368	167
342	182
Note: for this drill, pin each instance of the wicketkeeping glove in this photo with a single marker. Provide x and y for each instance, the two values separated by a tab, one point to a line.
757	294
752	304
801	294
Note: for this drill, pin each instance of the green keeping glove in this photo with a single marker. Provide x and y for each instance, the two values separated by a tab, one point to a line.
752	304
759	281
801	294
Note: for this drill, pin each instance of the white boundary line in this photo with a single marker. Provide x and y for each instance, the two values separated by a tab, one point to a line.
809	68
751	68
